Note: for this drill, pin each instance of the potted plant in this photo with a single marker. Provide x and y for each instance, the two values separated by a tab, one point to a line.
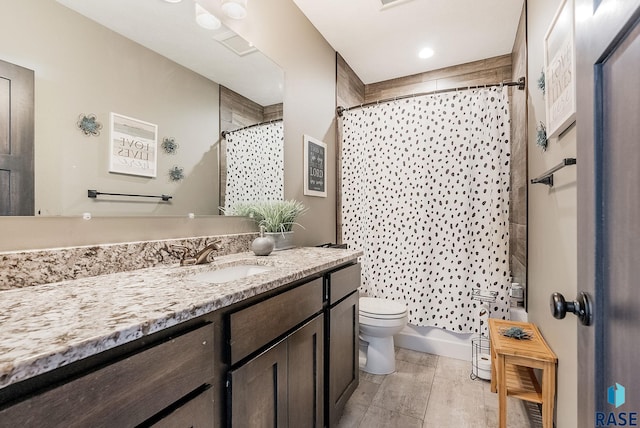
277	218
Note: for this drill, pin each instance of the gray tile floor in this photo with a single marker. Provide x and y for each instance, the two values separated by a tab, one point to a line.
430	391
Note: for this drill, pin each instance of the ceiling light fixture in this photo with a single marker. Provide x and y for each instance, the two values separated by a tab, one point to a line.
426	53
173	1
235	9
205	19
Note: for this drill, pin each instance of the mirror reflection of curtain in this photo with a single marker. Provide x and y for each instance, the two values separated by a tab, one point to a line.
425	194
255	164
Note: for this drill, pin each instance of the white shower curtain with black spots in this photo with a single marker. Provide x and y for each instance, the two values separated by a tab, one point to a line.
255	164
425	195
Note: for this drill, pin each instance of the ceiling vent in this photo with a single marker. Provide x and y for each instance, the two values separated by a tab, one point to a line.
234	42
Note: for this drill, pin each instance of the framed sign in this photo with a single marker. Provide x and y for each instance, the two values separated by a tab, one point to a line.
560	71
134	146
315	167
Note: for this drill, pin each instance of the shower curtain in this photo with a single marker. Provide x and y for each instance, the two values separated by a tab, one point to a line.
255	164
425	185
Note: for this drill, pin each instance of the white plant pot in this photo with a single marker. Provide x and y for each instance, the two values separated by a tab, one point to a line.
283	240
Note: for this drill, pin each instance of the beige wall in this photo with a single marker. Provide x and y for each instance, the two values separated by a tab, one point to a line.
282	32
552	226
82	67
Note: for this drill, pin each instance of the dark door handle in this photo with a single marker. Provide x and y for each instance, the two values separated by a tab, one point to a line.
581	307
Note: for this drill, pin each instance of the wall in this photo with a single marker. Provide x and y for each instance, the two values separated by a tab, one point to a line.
82	67
552	250
309	107
486	71
281	31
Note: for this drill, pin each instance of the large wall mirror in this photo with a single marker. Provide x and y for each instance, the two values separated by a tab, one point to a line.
147	60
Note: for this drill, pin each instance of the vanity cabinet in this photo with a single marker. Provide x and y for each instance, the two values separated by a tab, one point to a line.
342	339
133	389
277	355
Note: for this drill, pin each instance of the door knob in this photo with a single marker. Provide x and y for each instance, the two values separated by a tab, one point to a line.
581	307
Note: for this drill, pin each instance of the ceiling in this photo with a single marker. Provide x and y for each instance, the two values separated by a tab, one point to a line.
381	43
170	30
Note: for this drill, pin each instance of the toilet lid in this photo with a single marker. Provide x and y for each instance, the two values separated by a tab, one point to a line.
381	308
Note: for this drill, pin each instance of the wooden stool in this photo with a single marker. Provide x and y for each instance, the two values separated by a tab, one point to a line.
512	364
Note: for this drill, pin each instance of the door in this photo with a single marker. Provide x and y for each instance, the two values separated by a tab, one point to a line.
608	133
306	375
343	352
16	140
259	390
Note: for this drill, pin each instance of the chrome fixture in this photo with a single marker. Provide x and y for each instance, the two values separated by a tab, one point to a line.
200	257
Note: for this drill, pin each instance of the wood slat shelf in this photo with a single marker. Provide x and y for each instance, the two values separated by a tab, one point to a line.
512	368
522	384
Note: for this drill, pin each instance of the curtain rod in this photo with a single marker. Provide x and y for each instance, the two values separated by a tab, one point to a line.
520	84
224	133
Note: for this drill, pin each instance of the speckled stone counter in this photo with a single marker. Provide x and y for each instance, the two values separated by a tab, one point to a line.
48	326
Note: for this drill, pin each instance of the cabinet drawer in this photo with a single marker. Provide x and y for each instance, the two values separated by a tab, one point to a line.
343	282
253	327
195	413
126	392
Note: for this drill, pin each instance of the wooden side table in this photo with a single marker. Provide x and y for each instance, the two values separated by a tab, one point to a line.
512	365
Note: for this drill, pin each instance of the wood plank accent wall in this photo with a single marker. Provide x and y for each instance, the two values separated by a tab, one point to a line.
236	112
349	92
485	71
519	138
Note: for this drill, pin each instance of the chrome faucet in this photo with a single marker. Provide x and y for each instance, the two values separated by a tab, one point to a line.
200	257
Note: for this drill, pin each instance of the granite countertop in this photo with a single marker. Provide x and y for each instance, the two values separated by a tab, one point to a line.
48	326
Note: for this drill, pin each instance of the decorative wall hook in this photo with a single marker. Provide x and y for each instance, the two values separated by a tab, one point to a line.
541	137
176	173
542	82
169	145
88	125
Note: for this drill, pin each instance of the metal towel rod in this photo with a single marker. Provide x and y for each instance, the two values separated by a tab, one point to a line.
547	177
94	194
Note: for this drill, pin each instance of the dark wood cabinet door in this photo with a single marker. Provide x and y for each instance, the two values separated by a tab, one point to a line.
259	390
343	345
306	375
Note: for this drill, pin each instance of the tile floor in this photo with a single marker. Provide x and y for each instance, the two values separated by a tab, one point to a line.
430	391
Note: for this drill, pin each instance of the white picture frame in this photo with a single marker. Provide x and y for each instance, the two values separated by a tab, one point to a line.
133	148
560	70
315	167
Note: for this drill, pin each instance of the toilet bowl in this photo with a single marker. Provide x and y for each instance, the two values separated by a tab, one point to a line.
379	320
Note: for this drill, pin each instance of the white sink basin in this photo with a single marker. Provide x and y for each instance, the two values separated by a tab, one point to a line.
231	273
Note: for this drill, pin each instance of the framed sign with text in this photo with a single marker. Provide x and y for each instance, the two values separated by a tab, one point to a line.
560	71
133	147
315	167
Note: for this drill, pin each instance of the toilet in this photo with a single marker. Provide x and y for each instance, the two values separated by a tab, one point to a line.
379	319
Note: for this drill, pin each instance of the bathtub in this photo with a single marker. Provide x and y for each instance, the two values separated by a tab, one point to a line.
437	341
433	340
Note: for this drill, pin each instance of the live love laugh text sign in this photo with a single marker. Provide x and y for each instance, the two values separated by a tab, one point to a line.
315	167
134	146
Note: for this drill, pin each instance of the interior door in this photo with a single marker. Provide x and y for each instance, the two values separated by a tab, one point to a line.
16	140
608	132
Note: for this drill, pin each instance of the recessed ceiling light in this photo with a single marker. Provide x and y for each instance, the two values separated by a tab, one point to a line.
205	19
235	9
425	53
173	1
